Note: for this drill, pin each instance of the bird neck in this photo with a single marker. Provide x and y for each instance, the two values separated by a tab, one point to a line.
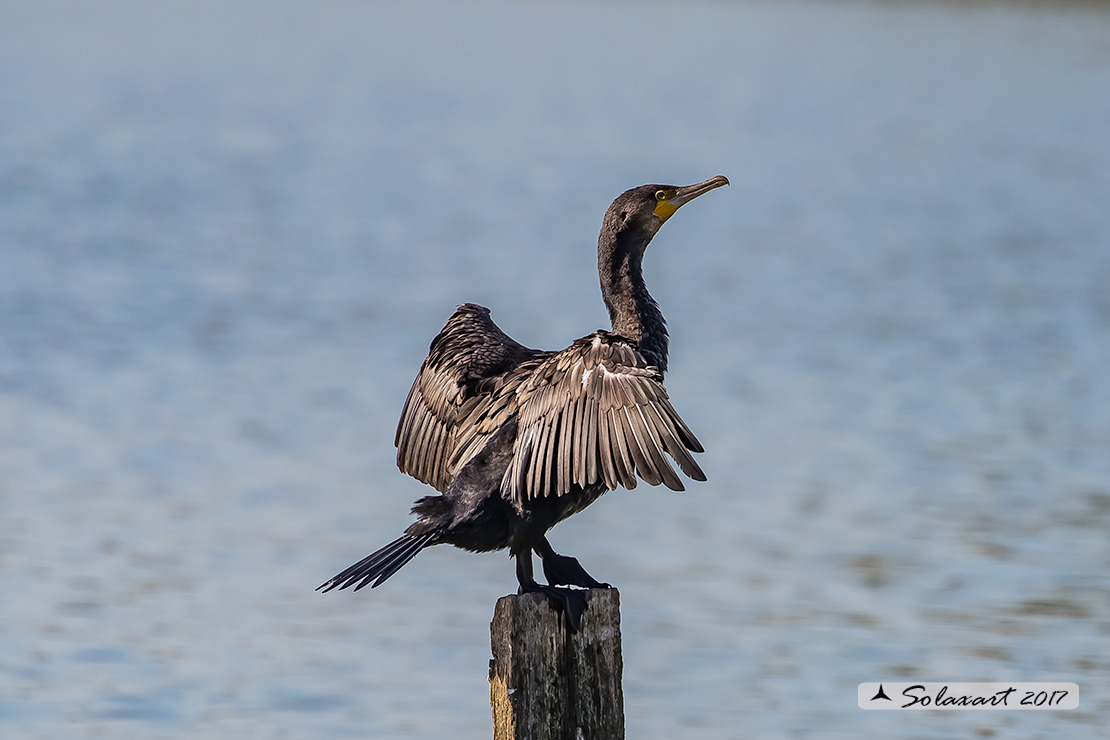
634	313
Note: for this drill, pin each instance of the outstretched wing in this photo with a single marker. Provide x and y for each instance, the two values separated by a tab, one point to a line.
466	363
596	412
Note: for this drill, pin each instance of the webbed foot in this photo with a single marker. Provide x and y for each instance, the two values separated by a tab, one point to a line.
571	601
563	570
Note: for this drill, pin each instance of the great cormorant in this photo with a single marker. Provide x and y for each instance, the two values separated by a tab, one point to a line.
518	439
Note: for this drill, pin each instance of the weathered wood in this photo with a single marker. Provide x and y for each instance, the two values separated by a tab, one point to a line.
548	683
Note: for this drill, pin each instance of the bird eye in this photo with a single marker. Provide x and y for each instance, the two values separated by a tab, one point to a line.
660	194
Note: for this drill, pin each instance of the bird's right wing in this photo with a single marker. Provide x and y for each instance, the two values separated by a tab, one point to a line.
463	367
596	412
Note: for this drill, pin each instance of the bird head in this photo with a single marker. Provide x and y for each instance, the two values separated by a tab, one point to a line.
642	211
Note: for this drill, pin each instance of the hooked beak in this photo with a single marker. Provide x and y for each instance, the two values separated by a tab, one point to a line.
675	199
688	193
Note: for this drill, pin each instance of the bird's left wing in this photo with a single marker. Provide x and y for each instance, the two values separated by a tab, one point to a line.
466	363
596	412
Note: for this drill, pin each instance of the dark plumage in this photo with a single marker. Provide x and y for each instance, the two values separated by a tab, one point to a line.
517	439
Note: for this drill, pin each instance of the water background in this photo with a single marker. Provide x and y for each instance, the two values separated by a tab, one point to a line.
228	232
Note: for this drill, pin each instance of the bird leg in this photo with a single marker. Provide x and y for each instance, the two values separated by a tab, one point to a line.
563	570
571	601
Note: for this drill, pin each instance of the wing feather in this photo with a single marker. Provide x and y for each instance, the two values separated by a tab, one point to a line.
675	448
621	453
444	421
645	462
592	444
597	414
535	468
566	450
544	470
605	451
580	431
656	448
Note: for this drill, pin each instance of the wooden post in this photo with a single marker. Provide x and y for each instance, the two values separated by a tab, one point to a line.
548	683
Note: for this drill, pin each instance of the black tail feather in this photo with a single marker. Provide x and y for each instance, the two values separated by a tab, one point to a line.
353	573
394	564
381	564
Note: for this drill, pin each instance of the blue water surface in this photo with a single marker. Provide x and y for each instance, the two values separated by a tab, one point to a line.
228	232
